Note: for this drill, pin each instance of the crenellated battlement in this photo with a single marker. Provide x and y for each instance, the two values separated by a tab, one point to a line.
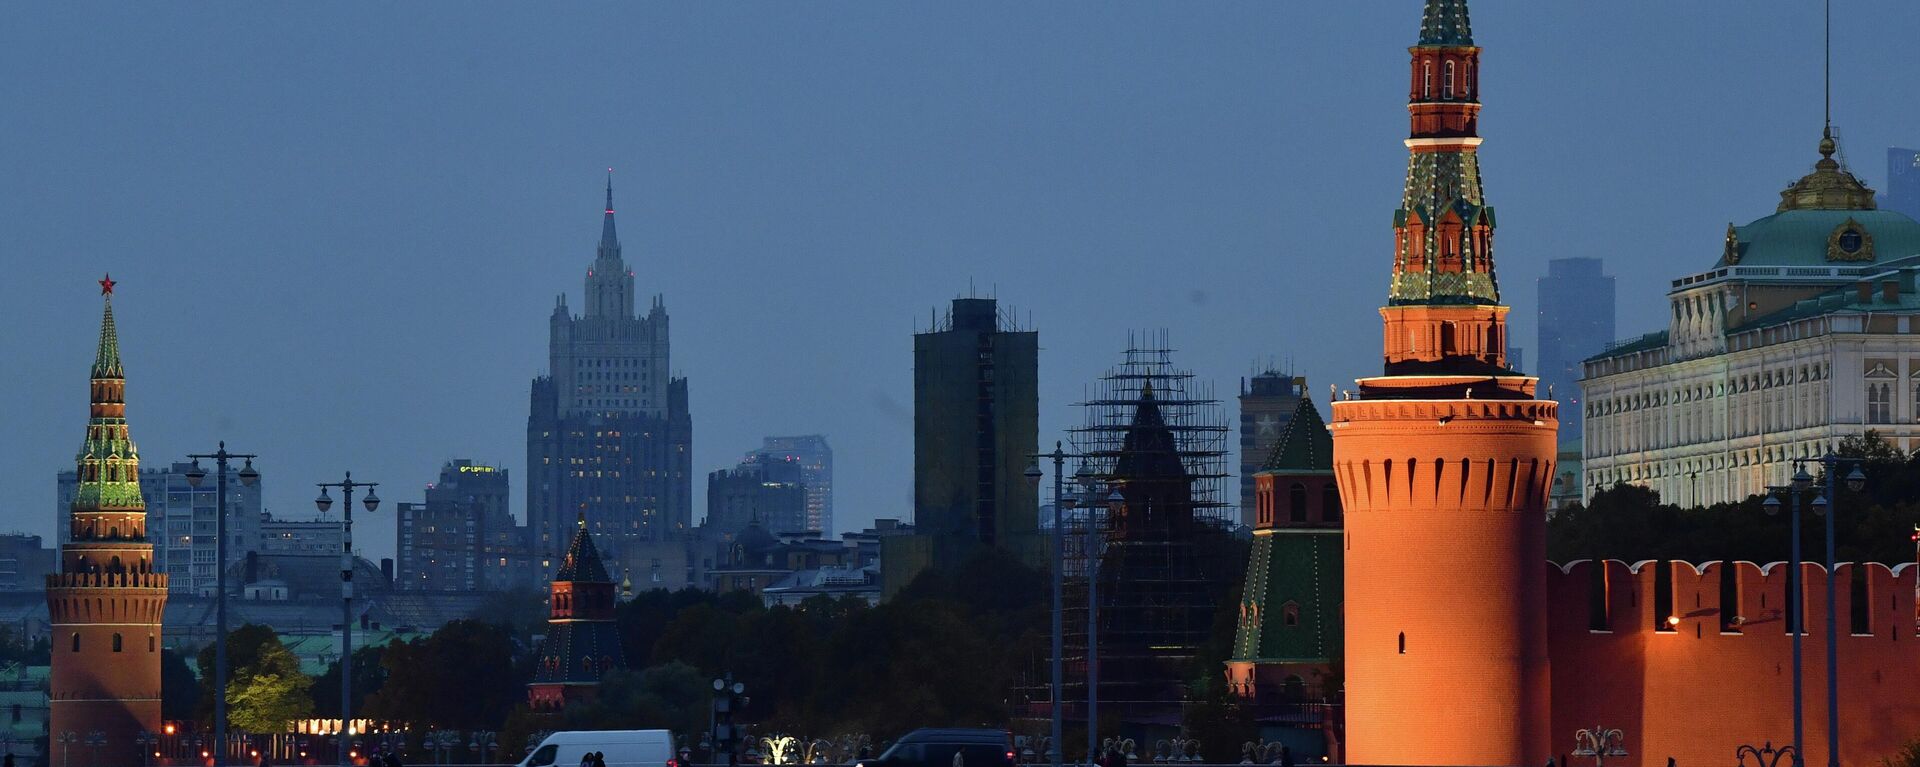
102	580
1731	599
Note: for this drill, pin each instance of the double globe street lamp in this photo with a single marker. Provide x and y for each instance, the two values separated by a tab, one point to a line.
323	503
1823	506
195	477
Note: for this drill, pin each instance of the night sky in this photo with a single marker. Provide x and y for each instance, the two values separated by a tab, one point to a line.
339	228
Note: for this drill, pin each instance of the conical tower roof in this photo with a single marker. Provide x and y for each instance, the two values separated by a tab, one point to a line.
1150	450
106	358
1446	24
582	564
1306	445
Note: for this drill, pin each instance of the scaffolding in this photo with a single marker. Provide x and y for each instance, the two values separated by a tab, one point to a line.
1152	487
1187	405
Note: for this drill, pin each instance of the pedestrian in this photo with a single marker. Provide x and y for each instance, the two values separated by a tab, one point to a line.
1286	757
958	760
1119	757
393	759
599	759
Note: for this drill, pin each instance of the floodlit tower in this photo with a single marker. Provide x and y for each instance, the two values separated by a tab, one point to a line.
1444	464
106	601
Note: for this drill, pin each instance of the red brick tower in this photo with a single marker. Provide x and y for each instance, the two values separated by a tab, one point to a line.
105	602
1444	464
582	642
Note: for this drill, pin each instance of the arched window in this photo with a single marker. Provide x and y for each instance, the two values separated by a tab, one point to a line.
116	643
1297	503
76	641
1446	90
1290	614
1294	688
1426	80
1329	503
150	643
1403	643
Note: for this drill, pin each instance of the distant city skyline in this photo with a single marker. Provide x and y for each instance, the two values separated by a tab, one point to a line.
336	256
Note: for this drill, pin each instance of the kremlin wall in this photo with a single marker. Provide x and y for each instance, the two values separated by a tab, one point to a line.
1697	688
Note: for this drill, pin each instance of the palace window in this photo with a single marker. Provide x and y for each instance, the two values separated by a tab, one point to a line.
1879	402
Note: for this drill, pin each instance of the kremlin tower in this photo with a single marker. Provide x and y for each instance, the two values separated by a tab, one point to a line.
582	644
105	602
1444	464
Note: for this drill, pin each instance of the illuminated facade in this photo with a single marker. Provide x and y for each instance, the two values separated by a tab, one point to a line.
1443	466
582	643
1803	333
462	538
609	434
105	604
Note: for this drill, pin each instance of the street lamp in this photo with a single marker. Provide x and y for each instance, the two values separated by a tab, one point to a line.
324	502
95	740
1795	600
1764	756
249	478
1827	505
1600	743
67	739
1060	499
147	740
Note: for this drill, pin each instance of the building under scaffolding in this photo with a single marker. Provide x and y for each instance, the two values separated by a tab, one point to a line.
1154	447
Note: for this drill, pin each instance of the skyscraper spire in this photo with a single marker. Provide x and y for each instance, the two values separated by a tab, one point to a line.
609	241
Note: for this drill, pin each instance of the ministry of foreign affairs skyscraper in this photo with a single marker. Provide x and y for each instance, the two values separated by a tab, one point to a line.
608	434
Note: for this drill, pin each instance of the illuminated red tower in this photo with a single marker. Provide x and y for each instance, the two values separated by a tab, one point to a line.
582	642
1444	464
105	602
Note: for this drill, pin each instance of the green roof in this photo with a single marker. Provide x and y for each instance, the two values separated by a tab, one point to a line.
1305	446
1843	299
1445	23
1622	348
1799	237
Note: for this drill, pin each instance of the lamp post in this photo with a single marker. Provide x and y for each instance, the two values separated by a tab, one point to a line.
1796	601
1060	498
67	739
1599	743
1828	506
1764	756
249	478
324	502
95	740
146	740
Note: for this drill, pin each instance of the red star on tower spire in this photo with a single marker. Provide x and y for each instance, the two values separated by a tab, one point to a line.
106	285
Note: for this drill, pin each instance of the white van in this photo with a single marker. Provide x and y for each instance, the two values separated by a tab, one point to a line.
623	748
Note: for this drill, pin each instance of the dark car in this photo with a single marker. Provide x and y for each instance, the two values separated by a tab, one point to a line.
936	747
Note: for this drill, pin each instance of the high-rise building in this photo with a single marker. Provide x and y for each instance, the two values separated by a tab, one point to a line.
1903	181
815	458
300	536
609	434
582	643
768	493
976	405
105	603
1443	466
1575	322
1267	402
24	562
456	539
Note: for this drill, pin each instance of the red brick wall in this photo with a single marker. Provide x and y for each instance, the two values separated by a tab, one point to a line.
1697	693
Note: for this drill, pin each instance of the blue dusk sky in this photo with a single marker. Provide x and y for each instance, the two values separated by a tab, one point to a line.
339	228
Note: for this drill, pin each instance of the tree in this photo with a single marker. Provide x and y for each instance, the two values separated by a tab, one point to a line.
673	696
179	688
245	646
269	692
462	676
369	675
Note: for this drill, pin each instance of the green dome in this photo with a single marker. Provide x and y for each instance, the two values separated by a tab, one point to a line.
1819	238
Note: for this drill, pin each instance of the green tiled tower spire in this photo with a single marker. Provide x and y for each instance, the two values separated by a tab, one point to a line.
1445	24
108	463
